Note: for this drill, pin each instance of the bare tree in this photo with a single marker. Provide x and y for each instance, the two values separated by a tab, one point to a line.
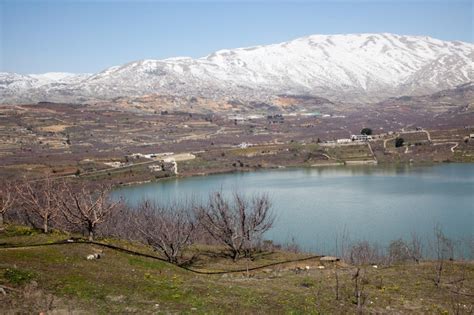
416	248
7	199
399	251
168	229
359	295
362	253
238	223
444	249
120	224
336	275
85	207
40	202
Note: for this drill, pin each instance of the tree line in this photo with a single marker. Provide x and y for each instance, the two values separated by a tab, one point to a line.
237	222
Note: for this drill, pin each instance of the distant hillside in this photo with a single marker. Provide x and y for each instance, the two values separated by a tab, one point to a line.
459	98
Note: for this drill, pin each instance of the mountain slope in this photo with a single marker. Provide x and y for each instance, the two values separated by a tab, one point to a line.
355	67
460	98
35	87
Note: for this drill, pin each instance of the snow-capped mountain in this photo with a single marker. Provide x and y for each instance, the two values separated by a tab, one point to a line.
59	77
35	87
355	67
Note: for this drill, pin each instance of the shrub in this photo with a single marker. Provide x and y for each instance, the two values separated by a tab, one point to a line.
399	142
18	276
366	131
399	251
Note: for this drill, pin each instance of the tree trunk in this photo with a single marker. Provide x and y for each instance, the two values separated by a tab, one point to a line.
91	235
1	219
45	225
235	255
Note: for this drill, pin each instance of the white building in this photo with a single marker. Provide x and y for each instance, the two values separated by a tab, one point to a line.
360	138
244	145
343	140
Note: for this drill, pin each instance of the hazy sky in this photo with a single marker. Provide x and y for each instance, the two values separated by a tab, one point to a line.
88	36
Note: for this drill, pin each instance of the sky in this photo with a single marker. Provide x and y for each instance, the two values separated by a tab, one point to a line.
88	36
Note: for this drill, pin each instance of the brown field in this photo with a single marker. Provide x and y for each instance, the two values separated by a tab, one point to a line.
65	139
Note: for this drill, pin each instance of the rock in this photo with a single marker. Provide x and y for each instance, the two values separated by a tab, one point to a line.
115	298
329	258
94	256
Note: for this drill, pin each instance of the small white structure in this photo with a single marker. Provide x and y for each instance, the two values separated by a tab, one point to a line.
471	136
244	145
255	117
236	118
360	138
155	168
114	164
343	141
175	167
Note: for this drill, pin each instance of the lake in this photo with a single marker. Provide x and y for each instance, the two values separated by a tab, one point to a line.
314	206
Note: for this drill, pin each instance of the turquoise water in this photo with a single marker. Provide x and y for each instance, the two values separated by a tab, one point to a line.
313	206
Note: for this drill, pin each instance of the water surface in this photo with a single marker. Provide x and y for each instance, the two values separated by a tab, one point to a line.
313	206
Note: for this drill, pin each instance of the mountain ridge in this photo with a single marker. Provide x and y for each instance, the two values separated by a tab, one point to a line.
349	67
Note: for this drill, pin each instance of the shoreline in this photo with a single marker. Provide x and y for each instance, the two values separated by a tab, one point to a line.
282	167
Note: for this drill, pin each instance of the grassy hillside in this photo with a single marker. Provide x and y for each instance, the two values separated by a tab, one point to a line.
59	279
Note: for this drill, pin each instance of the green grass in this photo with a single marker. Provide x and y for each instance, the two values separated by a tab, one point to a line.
124	283
18	276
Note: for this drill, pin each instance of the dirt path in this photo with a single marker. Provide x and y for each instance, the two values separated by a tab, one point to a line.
428	135
372	151
454	147
456	144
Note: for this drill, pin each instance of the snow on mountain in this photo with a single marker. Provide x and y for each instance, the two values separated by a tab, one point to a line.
35	87
59	77
355	67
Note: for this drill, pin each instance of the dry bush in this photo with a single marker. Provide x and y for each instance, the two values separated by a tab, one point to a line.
292	246
398	251
444	249
402	251
168	229
363	253
238	222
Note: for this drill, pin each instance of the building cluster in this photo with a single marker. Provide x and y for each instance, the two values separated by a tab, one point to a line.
354	138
